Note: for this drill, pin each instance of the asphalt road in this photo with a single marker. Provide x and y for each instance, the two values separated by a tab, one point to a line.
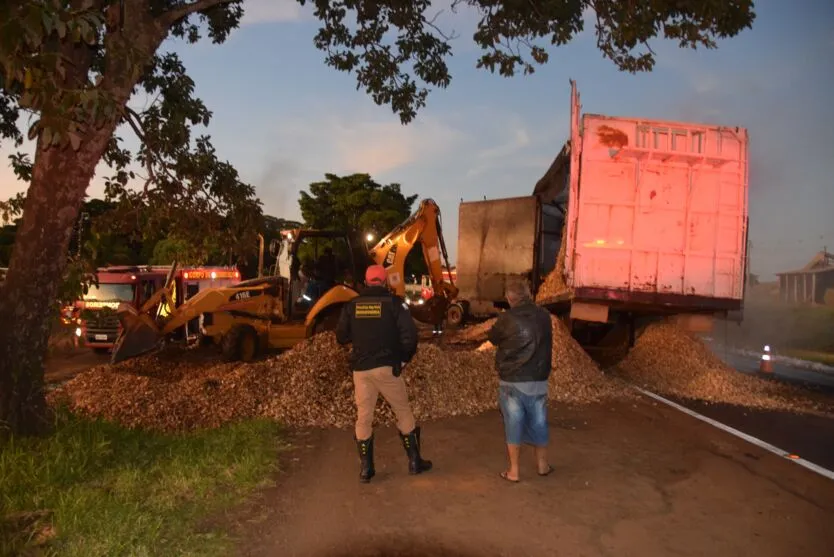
808	436
782	371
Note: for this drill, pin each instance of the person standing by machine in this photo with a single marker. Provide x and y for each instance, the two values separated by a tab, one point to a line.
384	339
523	336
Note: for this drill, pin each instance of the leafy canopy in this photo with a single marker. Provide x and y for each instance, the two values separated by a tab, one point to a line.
398	52
356	204
359	206
64	63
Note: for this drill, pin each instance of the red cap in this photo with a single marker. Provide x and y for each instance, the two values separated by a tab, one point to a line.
375	274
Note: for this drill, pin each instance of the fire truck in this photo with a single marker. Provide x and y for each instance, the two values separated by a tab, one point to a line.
98	326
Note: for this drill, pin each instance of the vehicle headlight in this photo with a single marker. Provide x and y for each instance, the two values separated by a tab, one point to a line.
78	331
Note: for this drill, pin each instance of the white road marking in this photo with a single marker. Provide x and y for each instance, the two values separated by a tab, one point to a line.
749	438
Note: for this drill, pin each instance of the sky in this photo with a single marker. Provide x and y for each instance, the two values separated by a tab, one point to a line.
284	118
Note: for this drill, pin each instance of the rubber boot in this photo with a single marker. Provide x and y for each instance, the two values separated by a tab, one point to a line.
366	459
411	442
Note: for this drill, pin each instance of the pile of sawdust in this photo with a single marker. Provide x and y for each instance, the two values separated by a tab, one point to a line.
670	361
574	377
554	284
474	333
310	385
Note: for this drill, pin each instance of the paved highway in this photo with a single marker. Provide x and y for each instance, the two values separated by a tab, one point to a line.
783	371
808	436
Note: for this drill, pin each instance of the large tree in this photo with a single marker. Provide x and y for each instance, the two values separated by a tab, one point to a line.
355	203
75	64
359	206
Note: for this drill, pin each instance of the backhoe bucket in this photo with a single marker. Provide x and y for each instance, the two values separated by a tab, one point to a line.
140	334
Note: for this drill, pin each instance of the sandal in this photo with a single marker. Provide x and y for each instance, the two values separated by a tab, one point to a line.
549	470
506	477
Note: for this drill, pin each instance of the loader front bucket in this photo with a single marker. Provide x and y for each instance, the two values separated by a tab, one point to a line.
140	334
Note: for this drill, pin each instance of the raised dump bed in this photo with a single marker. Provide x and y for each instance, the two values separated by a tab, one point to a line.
650	216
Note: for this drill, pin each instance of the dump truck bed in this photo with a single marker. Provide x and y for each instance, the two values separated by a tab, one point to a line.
658	213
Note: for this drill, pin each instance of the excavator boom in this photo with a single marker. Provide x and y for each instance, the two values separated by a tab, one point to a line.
423	227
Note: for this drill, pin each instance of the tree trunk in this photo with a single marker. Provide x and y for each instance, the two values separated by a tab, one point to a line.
28	297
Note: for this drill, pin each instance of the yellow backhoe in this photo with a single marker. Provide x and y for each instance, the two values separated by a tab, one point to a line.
315	274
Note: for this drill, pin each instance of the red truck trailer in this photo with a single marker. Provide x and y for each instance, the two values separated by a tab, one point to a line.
634	217
98	327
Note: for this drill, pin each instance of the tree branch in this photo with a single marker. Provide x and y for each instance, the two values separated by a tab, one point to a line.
135	122
173	15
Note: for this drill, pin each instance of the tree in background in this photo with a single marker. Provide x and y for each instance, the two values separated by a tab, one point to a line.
75	65
359	206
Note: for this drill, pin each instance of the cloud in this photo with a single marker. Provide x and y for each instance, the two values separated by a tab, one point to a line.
273	11
345	142
514	137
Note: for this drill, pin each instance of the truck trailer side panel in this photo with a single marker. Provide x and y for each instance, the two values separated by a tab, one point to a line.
659	211
497	240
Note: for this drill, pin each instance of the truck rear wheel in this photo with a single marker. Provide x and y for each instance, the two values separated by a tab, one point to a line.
455	315
240	343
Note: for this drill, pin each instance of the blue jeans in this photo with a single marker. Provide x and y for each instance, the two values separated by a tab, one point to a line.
525	417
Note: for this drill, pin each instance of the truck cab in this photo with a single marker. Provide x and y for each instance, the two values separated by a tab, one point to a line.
99	327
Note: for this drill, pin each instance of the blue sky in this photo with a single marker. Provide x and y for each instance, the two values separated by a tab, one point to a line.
284	118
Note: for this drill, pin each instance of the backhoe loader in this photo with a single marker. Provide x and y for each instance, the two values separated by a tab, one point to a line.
295	301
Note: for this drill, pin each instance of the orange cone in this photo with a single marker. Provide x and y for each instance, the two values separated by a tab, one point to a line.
766	363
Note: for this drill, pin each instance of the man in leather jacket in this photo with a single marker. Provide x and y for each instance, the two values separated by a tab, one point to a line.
523	337
384	339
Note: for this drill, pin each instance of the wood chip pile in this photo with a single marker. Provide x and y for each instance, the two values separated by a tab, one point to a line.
309	385
670	361
474	333
554	283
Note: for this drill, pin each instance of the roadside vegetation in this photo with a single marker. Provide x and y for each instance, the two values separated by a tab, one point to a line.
94	488
805	332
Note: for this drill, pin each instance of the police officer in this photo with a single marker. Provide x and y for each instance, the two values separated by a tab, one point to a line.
384	339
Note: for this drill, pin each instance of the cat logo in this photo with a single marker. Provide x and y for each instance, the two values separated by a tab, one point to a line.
389	258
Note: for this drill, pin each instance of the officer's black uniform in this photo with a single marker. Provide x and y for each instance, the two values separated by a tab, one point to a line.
383	334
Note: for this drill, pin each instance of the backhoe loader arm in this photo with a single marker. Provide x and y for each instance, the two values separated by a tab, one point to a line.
423	226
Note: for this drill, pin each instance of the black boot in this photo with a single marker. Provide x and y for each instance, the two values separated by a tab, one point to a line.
366	459
411	442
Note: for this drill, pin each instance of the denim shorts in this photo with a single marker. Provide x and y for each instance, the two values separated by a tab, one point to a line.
525	417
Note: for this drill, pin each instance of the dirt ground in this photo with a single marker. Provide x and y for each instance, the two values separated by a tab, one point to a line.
64	366
631	480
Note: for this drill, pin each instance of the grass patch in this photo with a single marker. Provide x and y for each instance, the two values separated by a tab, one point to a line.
826	358
94	488
784	327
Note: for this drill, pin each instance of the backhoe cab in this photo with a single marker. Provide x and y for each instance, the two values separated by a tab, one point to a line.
314	274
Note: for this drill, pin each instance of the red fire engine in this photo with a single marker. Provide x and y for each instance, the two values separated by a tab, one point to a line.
95	313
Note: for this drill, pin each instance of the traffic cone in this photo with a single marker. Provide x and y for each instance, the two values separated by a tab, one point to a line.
766	363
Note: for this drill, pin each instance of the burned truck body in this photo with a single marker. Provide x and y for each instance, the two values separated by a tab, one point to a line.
634	217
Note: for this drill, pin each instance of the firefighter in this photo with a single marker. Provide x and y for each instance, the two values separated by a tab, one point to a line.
384	337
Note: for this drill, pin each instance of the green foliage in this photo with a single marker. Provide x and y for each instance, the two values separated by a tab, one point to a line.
398	52
355	204
69	64
166	251
105	489
358	205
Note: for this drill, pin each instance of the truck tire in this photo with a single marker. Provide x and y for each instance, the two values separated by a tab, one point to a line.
455	315
240	343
